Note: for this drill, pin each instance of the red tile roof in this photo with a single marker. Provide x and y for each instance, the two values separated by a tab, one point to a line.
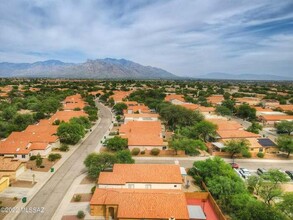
8	164
141	115
67	115
286	107
190	106
143	203
171	97
206	109
142	133
141	173
230	134
276	117
120	95
215	99
224	125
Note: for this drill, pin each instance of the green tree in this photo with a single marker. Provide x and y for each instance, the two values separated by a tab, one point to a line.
236	146
70	133
22	121
223	187
116	143
254	128
97	162
124	156
254	184
285	127
111	101
270	189
119	107
9	112
230	104
205	129
244	207
285	143
286	205
39	160
83	121
246	112
223	110
190	146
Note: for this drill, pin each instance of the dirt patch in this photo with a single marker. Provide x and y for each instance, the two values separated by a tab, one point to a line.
23	184
25	111
287	187
8	203
85	197
31	164
88	180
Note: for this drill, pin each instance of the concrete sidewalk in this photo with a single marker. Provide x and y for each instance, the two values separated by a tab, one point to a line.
66	207
204	158
41	177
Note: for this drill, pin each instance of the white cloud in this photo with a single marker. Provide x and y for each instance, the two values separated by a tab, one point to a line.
184	37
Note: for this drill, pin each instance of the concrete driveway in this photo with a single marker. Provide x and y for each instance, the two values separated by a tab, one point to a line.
52	193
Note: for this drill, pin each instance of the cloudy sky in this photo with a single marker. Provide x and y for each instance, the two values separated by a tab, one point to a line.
185	37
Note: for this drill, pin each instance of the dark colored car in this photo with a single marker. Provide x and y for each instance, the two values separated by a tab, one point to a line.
290	173
234	165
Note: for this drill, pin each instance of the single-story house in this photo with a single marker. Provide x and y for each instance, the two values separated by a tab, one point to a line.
142	176
268	146
140	117
11	168
4	182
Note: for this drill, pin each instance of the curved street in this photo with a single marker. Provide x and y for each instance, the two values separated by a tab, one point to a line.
52	193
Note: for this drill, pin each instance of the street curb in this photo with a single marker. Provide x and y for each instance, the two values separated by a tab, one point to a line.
19	206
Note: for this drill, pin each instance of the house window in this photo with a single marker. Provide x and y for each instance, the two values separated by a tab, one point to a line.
23	156
260	149
15	155
175	186
148	186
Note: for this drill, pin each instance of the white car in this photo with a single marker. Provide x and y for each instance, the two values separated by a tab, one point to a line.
244	172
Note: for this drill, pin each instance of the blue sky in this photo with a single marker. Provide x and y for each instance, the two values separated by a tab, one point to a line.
185	37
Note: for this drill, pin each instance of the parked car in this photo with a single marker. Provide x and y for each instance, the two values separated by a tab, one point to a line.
261	171
290	173
234	165
244	173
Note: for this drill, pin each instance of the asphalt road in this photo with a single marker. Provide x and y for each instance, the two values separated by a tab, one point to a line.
250	164
52	193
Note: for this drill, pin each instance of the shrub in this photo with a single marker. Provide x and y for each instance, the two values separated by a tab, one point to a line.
77	198
135	151
155	151
246	154
56	122
42	166
142	152
93	189
14	198
112	133
53	157
260	155
64	147
80	214
33	157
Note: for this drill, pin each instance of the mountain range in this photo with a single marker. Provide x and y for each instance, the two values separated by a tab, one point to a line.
107	68
110	68
225	76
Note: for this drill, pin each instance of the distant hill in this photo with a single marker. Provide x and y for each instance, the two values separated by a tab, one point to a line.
223	76
92	69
